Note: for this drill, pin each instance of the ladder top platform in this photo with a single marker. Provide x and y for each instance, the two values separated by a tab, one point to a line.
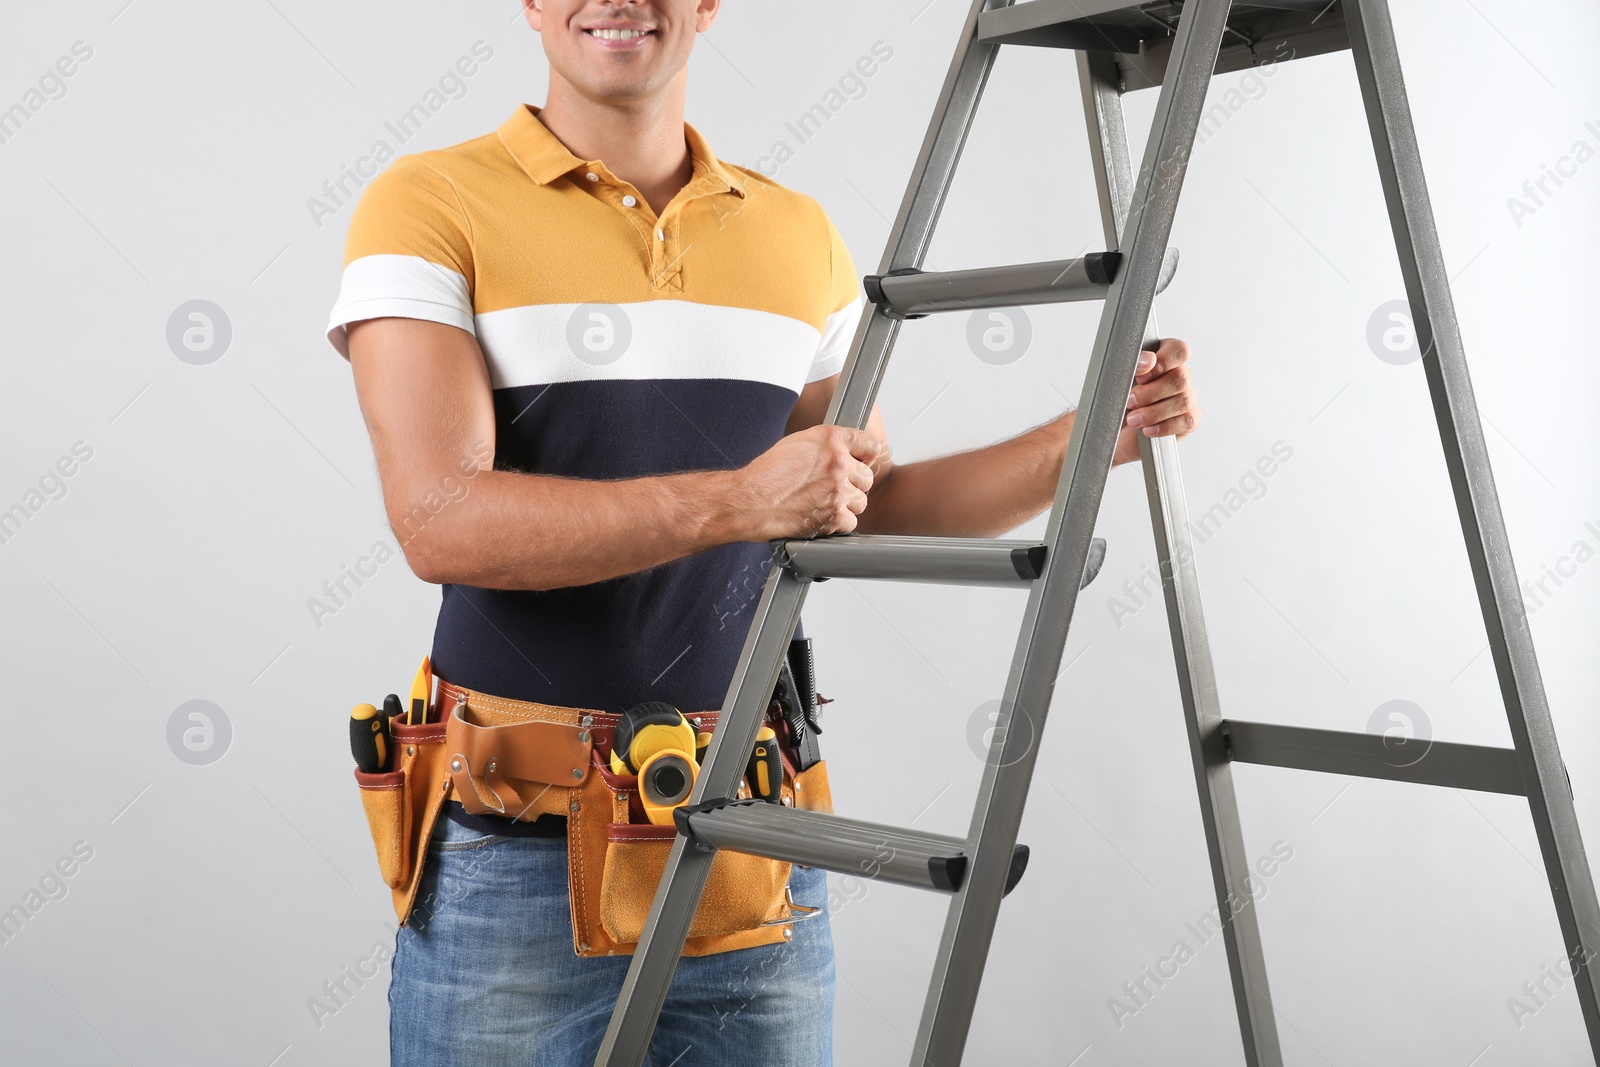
1141	35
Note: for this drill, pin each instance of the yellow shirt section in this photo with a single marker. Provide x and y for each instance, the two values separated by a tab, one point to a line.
522	220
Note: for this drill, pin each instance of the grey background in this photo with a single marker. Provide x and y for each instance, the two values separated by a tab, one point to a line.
221	896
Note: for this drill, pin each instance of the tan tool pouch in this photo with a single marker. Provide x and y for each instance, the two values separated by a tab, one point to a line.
521	760
401	807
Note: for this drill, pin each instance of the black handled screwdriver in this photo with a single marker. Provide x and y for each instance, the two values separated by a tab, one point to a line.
369	739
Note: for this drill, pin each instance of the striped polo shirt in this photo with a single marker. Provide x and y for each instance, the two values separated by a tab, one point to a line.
619	344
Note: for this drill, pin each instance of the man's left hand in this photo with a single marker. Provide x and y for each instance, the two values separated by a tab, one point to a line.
1162	401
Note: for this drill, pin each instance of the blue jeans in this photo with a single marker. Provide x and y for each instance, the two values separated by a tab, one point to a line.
484	974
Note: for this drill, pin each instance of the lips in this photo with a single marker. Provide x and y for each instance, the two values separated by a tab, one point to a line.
619	37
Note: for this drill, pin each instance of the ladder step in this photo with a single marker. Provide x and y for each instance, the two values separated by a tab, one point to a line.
847	846
912	294
1424	762
1258	34
941	560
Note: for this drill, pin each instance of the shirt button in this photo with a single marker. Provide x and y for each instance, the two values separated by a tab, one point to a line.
592	176
661	235
628	201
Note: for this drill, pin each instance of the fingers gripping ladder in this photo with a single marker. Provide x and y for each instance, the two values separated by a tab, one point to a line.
1119	48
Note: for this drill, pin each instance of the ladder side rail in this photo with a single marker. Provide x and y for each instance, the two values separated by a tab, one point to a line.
1191	645
1101	81
919	213
1466	456
1002	794
655	957
1219	805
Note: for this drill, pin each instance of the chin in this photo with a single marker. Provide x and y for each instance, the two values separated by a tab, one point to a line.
626	87
618	87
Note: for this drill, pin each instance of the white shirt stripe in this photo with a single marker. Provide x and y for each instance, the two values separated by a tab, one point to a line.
540	344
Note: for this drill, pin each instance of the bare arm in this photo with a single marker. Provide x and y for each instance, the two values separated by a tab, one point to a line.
985	492
989	491
425	395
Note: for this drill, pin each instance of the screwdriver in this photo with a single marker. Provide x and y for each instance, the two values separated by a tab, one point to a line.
393	712
369	741
765	770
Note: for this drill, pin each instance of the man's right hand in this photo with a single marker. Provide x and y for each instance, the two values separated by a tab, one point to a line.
811	483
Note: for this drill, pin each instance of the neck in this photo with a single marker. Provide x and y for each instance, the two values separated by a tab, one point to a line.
641	142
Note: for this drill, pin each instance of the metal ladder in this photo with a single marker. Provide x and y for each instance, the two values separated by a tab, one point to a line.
1120	47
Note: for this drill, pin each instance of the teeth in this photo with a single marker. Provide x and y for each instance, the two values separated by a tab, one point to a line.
618	35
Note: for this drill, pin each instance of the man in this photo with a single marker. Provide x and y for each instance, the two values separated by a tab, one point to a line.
645	340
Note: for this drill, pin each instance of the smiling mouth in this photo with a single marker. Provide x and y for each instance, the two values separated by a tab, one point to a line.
618	34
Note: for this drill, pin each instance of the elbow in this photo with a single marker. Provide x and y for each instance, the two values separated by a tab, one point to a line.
432	562
432	550
444	553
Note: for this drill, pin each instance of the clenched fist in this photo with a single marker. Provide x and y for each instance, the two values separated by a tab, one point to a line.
811	483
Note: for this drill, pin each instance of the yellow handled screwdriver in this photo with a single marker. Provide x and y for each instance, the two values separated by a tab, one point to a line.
369	740
765	769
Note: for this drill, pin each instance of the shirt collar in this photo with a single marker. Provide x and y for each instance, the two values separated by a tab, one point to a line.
544	158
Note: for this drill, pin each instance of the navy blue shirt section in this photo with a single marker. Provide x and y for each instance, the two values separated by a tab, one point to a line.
673	632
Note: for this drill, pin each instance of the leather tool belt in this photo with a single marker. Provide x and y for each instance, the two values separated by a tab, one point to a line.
520	759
